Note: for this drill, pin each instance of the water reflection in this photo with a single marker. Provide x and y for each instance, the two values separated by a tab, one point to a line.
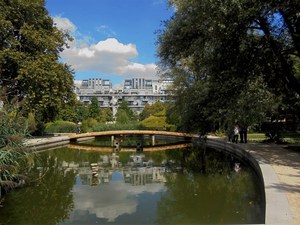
191	185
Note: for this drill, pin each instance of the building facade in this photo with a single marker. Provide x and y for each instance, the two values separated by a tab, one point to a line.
136	91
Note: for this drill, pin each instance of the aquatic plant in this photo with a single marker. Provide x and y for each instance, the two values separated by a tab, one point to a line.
13	155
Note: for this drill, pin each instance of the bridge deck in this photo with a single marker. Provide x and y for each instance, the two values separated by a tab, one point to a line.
125	132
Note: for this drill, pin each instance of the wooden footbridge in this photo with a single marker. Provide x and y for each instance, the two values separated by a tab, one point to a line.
118	133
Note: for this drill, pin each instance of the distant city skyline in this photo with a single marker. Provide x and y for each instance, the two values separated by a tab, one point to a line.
113	39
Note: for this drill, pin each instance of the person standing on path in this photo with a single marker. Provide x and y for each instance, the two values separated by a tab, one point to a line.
243	134
235	134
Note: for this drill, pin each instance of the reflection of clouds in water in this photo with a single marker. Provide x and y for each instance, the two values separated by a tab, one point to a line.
150	188
108	201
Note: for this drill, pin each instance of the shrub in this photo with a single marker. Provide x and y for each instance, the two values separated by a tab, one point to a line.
116	126
88	124
60	127
155	123
32	125
13	158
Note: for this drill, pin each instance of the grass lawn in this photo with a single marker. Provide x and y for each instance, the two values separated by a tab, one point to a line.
289	137
256	137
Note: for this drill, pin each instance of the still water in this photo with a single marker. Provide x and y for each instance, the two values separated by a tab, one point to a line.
191	185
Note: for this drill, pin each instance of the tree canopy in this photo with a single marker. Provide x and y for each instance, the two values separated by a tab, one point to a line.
215	50
125	115
155	117
29	52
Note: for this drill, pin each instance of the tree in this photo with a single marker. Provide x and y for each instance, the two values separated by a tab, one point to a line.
74	113
106	115
29	52
217	48
155	122
254	105
154	116
157	107
124	113
94	110
123	117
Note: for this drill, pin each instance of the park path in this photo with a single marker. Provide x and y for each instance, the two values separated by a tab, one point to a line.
286	164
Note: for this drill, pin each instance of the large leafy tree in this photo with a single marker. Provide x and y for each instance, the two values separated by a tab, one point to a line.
156	108
154	116
215	49
94	110
29	52
125	115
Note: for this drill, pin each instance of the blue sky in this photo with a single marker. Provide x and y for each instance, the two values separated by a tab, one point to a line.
113	39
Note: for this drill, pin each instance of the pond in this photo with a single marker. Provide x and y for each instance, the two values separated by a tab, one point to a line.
189	185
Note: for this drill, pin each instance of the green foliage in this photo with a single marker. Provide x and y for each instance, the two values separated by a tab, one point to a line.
106	115
88	124
227	55
253	104
76	112
284	136
155	117
94	110
115	126
13	127
124	114
29	53
13	158
68	113
123	117
60	127
155	123
32	126
156	108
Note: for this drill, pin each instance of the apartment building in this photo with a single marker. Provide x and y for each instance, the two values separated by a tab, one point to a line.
136	91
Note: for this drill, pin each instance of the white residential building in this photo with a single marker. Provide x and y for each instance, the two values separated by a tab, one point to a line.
136	91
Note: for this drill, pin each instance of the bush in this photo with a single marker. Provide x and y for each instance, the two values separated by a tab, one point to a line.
88	124
155	123
60	127
116	126
32	125
13	156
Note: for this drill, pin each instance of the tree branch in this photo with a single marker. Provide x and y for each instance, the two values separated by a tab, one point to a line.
292	81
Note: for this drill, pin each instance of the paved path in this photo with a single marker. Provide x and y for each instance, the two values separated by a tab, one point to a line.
286	164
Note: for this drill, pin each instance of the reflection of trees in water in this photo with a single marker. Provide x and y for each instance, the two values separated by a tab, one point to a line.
207	190
202	187
47	201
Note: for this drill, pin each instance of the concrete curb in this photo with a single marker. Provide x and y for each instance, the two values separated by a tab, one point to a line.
35	144
277	206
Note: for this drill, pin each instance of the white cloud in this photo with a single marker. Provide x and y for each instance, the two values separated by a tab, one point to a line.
136	69
85	52
112	45
64	24
106	31
107	57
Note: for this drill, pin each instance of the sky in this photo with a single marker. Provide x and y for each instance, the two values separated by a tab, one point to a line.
113	39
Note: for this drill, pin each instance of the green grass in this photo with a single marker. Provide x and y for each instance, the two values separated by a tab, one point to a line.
289	137
256	137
